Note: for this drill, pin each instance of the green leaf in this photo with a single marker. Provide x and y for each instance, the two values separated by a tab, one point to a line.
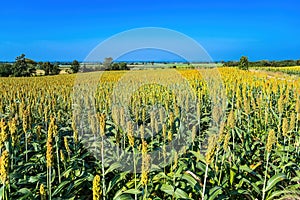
113	167
192	182
1	192
123	197
179	193
116	180
239	192
26	192
33	179
252	184
169	189
275	194
249	170
232	174
132	191
60	187
214	192
274	180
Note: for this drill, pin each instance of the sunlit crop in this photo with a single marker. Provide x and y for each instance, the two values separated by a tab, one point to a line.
49	150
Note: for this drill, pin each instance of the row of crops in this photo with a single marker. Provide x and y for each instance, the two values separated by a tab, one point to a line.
150	134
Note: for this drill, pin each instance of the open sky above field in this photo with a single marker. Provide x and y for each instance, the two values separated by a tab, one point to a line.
67	30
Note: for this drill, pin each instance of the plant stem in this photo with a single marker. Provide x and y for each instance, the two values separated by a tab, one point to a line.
26	147
134	171
205	177
49	182
221	168
145	193
265	179
57	157
102	166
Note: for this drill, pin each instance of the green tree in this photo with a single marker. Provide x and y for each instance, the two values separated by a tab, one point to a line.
244	63
5	70
20	67
46	67
55	69
50	69
119	66
123	66
75	66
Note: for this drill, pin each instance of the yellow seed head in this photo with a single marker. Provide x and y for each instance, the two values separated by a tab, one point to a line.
142	131
3	133
145	169
143	115
221	132
67	145
4	162
42	192
130	134
122	117
271	140
170	135
246	106
171	119
285	127
292	122
13	131
97	192
152	120
102	121
62	156
144	147
161	115
231	120
46	113
212	141
51	128
298	105
49	153
226	141
164	131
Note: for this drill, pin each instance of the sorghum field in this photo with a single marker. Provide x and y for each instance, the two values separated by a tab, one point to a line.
54	144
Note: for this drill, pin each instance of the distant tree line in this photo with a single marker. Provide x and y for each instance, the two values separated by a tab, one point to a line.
265	63
24	67
106	65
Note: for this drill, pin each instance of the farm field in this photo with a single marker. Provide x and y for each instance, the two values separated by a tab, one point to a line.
295	70
151	134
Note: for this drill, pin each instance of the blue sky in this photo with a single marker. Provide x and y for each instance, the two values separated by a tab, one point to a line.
68	30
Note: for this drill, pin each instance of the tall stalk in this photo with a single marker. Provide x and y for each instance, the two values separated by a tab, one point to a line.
102	167
270	141
212	144
102	122
204	184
